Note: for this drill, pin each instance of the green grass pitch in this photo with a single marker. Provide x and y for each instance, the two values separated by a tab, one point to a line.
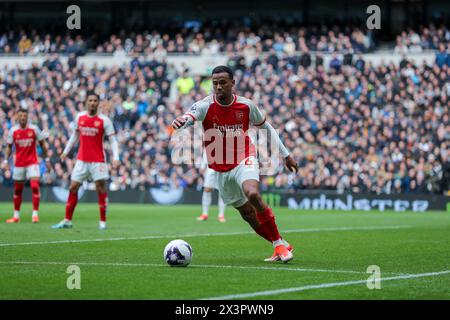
332	253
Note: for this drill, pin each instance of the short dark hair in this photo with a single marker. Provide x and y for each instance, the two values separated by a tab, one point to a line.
21	109
221	69
92	93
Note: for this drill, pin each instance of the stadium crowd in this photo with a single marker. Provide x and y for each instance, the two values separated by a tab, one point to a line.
352	126
427	38
208	37
358	127
219	36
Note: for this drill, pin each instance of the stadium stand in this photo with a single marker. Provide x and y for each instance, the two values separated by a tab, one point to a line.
352	125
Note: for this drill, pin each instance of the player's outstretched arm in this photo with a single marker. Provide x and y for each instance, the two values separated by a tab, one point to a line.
8	151
115	150
72	141
182	122
272	134
7	155
258	119
196	112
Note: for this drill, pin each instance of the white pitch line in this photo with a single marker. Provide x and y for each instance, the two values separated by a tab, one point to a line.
120	264
201	235
321	286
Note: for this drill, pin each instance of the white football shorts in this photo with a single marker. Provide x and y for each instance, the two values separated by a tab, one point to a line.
28	172
230	183
89	170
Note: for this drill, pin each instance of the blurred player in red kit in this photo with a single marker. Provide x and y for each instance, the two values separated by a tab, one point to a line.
24	136
226	118
90	130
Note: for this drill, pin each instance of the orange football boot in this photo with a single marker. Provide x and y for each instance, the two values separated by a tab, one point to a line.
276	256
13	220
202	217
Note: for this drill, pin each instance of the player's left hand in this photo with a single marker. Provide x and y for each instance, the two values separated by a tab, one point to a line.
115	164
291	164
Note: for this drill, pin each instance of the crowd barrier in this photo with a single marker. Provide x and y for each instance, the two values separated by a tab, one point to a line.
203	64
305	200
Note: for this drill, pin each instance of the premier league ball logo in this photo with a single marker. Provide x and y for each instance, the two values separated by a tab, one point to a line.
178	253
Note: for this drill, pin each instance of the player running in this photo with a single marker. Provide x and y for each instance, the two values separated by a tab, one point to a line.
90	129
226	119
24	136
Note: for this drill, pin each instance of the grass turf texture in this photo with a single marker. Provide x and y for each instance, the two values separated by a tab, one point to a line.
227	264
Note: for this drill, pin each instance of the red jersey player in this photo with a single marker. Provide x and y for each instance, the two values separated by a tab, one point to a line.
90	129
24	137
226	119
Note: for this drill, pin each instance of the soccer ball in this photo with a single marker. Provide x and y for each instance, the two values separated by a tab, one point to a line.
178	253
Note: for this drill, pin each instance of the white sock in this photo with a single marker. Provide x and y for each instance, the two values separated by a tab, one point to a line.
277	243
35	213
222	206
206	201
67	220
286	244
102	223
16	214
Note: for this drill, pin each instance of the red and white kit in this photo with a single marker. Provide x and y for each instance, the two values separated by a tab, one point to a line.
25	141
91	159
229	149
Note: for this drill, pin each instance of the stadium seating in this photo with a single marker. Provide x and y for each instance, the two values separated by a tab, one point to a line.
352	126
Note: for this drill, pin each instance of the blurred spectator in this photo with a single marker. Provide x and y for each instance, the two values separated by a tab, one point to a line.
185	83
72	61
24	45
335	63
442	56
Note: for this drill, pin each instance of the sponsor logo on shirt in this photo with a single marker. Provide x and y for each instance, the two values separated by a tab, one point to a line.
88	131
229	130
23	143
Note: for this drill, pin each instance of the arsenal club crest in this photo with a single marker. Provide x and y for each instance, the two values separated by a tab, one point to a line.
30	134
97	123
240	115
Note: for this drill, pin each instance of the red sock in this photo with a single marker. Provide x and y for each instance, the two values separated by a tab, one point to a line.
71	204
103	205
263	232
267	221
18	189
36	195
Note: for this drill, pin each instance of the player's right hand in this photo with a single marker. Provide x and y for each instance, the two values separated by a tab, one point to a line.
179	122
63	156
291	164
